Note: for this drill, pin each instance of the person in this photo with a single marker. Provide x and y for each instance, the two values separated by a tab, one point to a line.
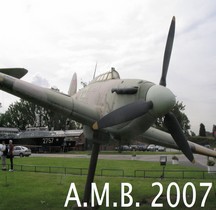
10	150
4	155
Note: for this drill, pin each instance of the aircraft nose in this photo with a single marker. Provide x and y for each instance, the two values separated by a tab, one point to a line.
162	98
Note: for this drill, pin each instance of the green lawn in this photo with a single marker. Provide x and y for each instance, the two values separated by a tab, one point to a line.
110	152
31	191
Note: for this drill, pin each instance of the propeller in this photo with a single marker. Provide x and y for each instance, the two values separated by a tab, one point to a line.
123	114
159	99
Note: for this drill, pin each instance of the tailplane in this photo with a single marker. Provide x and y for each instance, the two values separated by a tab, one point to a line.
14	72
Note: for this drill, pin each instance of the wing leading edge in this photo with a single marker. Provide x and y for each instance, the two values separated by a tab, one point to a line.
155	136
50	99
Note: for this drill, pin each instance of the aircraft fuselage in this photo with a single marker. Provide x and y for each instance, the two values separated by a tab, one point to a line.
112	94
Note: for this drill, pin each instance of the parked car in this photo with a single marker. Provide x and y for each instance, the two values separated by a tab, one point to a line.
134	147
126	148
142	147
161	149
1	149
151	148
123	148
21	151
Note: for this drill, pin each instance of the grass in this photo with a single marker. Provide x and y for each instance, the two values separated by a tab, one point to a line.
30	190
110	152
103	166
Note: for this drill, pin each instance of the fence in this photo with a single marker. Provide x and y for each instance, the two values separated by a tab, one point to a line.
169	174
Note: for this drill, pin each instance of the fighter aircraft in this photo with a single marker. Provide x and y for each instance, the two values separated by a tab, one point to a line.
112	108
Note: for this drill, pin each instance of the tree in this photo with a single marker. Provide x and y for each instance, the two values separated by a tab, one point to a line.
23	114
202	130
182	118
20	114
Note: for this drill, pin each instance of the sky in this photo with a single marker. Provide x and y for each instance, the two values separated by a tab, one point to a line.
55	38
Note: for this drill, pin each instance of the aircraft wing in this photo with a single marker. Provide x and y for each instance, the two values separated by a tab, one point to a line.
158	137
50	99
14	72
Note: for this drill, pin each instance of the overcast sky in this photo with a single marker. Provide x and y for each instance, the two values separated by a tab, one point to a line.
53	39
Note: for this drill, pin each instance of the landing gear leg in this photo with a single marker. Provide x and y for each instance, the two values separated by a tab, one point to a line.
91	173
90	179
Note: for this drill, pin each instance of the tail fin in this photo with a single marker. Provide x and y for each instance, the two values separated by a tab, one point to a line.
73	85
14	72
95	70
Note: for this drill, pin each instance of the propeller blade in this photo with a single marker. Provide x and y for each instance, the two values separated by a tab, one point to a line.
176	132
123	114
167	53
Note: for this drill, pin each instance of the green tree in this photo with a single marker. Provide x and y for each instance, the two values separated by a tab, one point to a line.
19	114
23	114
182	118
202	130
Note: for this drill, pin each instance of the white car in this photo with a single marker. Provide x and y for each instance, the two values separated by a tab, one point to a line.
161	149
151	148
1	149
21	151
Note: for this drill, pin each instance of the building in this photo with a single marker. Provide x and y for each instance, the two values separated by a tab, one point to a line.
75	140
40	139
8	133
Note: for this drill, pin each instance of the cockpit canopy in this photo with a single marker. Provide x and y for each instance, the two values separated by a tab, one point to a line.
112	74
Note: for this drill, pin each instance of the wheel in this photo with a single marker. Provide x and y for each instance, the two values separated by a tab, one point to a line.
21	155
